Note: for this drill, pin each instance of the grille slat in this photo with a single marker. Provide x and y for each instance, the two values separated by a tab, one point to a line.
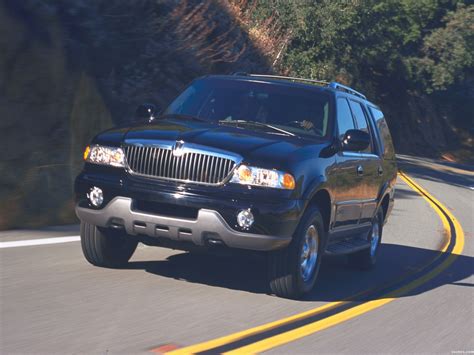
137	159
155	162
147	161
219	168
141	158
211	169
204	164
162	162
191	166
216	170
189	171
198	173
185	167
205	171
151	162
170	164
131	151
181	167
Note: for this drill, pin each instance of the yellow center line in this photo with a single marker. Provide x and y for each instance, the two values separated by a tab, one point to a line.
317	326
245	333
314	327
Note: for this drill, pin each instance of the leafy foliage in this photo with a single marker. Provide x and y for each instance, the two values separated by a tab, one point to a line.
448	51
426	43
413	57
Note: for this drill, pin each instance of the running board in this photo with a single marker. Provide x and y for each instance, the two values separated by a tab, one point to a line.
347	246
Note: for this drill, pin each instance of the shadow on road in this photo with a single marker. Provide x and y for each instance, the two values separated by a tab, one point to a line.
337	280
405	193
446	173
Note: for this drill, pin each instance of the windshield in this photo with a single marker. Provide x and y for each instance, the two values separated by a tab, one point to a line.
277	109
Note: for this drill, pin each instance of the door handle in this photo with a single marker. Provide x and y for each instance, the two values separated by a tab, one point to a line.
380	170
360	170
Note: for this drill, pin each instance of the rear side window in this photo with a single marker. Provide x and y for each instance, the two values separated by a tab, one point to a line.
344	117
359	116
362	123
382	127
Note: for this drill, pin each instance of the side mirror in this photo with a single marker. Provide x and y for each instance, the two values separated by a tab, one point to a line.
355	140
145	112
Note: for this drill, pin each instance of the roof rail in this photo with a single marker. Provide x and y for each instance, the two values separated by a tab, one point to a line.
334	85
347	89
319	82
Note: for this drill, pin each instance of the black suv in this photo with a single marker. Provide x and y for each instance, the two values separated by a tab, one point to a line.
291	168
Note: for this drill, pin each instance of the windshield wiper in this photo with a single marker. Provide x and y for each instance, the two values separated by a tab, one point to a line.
185	117
257	124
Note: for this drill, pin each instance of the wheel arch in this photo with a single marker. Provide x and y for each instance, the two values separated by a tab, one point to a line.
384	204
322	199
385	195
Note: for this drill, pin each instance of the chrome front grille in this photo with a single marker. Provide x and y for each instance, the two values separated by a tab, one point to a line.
190	166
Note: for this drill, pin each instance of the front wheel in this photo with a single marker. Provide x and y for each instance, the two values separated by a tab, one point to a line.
293	271
107	248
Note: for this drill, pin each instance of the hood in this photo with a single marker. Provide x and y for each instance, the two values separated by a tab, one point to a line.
251	145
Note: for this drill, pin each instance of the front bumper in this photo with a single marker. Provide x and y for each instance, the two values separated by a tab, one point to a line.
209	225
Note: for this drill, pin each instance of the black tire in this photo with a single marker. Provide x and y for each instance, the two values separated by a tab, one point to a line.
366	258
284	265
106	248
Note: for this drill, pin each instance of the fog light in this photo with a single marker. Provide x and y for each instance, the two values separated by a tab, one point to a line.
245	219
96	196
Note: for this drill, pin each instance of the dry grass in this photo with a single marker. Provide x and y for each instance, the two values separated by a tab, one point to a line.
267	35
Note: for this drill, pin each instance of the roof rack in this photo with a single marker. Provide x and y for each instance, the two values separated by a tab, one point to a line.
333	84
347	89
319	82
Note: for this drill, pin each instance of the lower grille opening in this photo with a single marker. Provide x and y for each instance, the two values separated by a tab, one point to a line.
186	231
116	223
166	209
162	228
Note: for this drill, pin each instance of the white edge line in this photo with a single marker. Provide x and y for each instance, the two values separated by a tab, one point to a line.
44	241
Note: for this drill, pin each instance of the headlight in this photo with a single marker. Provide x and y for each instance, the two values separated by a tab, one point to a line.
249	175
98	154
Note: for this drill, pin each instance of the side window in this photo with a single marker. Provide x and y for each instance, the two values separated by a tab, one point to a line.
362	123
384	133
359	116
344	117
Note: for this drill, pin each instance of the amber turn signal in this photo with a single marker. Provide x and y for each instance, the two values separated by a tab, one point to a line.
86	152
288	182
245	173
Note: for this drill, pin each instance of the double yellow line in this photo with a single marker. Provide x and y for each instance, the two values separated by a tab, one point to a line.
455	239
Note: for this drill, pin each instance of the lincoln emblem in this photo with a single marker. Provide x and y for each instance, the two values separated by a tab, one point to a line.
178	149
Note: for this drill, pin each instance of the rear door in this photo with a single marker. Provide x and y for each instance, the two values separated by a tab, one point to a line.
372	170
348	194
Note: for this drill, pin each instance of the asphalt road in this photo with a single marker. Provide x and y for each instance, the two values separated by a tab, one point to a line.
53	301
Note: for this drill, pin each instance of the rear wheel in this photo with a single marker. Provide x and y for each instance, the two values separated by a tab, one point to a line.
366	258
293	271
105	247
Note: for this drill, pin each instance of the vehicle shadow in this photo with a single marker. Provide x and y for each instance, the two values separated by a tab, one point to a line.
337	279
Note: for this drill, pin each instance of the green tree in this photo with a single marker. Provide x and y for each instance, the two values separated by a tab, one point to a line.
448	51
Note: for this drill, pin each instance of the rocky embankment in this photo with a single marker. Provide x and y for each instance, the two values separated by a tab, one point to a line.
73	68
